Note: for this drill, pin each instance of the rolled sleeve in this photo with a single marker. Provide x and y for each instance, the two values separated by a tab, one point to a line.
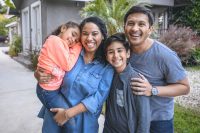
95	101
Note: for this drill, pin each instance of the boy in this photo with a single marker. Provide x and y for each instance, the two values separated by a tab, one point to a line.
125	112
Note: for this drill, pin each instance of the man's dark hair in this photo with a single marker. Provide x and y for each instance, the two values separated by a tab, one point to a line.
140	9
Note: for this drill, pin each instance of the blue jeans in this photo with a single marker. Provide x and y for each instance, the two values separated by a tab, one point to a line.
52	99
163	126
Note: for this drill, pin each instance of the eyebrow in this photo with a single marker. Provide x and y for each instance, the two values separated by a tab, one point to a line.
117	48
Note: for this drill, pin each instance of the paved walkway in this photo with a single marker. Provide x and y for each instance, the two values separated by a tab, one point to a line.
18	102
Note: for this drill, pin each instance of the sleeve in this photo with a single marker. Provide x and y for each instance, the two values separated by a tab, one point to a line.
172	68
143	114
63	56
95	101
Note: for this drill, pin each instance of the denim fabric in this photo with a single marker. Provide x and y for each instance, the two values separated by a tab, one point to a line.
51	99
166	126
50	126
88	84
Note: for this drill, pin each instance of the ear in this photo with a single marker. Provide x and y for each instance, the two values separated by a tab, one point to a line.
128	53
151	30
63	28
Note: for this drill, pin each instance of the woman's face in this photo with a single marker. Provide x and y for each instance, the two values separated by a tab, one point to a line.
91	37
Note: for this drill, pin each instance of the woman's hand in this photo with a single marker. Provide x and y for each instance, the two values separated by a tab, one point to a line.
62	115
41	76
141	86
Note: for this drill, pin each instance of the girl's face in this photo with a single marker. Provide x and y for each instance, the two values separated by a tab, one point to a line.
117	56
71	34
91	37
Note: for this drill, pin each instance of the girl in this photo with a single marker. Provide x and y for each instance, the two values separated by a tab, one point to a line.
58	54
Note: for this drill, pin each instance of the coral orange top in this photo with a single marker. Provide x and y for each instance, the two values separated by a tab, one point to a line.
56	57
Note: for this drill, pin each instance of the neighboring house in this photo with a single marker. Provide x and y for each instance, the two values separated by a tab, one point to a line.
40	17
162	12
13	29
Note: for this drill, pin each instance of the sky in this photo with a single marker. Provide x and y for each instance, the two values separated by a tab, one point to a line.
1	2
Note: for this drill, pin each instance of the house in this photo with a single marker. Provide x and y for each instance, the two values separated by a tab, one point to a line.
162	12
40	17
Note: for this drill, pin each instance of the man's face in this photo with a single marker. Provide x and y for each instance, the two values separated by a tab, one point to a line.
137	29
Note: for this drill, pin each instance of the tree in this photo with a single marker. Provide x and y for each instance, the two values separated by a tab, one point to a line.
112	12
188	15
9	3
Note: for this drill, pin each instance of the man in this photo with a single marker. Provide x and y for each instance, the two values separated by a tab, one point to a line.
162	74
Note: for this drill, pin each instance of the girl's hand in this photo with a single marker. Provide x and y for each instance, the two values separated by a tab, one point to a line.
41	76
62	115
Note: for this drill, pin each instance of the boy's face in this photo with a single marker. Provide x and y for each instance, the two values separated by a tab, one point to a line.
117	56
137	29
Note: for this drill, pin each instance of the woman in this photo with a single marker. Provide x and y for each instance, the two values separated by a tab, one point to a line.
85	87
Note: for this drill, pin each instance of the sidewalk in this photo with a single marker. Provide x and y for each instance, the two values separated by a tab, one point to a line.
18	102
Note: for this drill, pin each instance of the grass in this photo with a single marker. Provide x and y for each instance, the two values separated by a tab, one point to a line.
186	120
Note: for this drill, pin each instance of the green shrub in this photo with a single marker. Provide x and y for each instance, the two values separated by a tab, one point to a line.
15	46
180	39
195	57
34	59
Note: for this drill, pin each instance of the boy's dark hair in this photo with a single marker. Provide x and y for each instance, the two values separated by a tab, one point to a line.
99	54
140	9
69	24
118	37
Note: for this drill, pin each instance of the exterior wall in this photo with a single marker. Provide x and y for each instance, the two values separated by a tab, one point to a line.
59	13
26	3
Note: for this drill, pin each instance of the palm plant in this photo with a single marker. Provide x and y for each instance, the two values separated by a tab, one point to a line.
112	12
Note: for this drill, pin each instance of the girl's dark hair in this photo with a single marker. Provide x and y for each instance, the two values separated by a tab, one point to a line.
140	9
69	24
99	54
118	37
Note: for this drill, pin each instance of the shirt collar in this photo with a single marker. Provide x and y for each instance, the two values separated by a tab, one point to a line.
95	61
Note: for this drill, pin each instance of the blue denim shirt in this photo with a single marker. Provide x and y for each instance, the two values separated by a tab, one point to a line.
88	84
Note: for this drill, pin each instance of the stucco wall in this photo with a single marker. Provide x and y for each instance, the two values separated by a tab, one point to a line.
58	13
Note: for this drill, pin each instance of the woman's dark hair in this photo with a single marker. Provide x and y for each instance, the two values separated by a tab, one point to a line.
99	54
69	24
140	9
118	37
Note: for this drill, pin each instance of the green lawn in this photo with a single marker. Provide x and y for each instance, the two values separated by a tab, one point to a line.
186	120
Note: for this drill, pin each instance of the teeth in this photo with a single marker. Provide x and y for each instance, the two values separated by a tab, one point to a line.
90	45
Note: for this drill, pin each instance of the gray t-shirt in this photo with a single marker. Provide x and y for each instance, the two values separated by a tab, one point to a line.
161	66
116	120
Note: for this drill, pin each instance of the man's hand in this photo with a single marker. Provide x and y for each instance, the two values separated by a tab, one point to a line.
141	86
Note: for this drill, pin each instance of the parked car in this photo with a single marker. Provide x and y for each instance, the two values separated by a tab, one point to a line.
3	38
